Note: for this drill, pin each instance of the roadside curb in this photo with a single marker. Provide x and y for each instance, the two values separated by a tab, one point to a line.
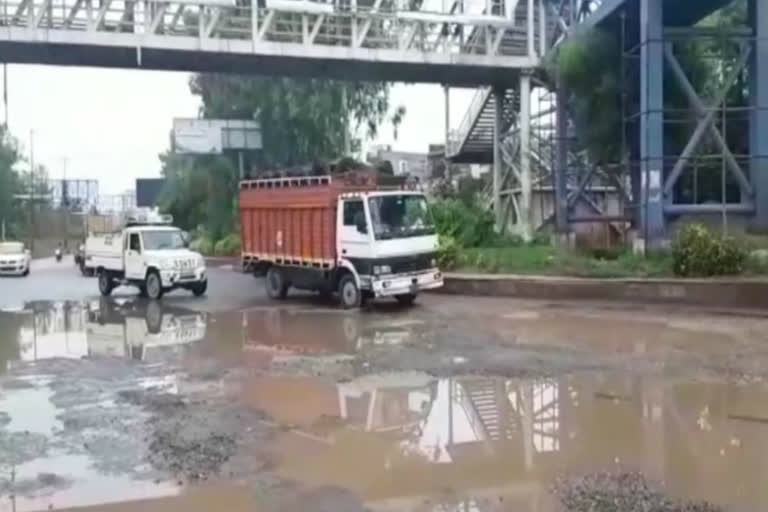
713	293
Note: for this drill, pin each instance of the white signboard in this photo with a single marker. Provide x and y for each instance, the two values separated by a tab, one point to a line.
212	136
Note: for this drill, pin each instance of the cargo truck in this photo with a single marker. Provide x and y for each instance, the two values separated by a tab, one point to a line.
347	234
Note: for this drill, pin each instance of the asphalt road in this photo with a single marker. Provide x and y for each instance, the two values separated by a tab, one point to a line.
49	280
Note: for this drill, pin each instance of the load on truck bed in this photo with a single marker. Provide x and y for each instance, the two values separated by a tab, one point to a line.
150	254
347	234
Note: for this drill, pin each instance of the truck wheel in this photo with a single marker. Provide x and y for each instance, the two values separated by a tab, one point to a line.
349	293
406	299
105	283
154	285
277	288
154	318
199	289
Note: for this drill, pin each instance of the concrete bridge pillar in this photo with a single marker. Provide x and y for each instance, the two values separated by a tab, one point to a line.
651	214
758	73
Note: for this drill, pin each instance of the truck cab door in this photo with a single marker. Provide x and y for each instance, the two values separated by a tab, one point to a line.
134	261
355	234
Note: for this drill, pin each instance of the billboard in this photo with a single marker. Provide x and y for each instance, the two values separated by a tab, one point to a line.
214	136
148	191
81	195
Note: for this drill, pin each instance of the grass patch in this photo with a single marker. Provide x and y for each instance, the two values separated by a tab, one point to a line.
546	260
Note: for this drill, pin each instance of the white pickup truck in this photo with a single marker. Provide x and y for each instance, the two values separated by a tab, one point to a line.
149	254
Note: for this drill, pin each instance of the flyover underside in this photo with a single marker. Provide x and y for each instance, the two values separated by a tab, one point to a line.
280	63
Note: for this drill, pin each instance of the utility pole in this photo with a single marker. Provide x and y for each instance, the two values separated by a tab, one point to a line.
32	190
5	93
65	201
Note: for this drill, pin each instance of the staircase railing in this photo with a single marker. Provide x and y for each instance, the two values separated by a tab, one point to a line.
459	136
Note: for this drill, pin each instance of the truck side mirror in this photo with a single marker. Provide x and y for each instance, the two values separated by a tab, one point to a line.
360	223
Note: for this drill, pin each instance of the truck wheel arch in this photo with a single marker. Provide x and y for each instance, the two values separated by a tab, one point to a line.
345	266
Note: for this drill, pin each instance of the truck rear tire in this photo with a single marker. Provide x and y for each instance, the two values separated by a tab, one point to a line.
277	288
349	293
154	285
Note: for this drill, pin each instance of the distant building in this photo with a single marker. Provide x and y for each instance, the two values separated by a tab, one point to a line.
404	163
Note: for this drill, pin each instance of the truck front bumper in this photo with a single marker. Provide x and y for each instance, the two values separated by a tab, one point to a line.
399	284
175	278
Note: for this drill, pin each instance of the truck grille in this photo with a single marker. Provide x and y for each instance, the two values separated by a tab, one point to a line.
412	263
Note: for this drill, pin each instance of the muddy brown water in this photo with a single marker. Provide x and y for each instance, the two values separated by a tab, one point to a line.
125	405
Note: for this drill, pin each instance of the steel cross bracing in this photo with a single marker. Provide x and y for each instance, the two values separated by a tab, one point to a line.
357	39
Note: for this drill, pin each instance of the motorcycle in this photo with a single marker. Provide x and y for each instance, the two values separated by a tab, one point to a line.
58	255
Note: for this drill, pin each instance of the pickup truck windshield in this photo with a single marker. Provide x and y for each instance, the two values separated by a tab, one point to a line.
400	216
162	240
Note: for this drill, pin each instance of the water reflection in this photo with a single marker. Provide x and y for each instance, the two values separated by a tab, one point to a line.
409	439
128	328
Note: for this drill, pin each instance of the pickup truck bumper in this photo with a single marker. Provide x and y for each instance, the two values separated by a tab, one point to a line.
399	284
176	278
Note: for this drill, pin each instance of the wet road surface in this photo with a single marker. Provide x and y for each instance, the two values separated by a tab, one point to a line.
234	403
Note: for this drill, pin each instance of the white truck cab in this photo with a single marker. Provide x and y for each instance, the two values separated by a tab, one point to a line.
389	241
149	254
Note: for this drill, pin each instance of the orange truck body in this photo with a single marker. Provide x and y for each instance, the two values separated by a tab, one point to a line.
292	221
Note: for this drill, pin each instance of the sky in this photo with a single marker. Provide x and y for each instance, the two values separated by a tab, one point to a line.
111	125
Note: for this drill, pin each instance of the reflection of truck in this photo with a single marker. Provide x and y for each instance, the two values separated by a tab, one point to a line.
149	254
133	329
345	234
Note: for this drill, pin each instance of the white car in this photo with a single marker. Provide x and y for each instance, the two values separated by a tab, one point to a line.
14	259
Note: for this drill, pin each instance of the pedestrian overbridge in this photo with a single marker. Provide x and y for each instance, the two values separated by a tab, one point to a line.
346	39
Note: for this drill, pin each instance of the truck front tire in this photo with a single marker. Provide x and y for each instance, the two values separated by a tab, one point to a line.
349	293
277	288
105	283
406	299
198	289
154	285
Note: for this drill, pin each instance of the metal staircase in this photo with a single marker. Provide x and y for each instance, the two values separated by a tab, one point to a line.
475	135
496	414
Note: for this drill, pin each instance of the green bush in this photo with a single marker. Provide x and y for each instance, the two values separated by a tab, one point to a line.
469	225
230	245
203	245
448	253
697	252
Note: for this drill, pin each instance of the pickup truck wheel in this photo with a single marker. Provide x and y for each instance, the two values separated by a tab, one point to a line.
199	289
105	283
349	293
275	283
406	299
154	286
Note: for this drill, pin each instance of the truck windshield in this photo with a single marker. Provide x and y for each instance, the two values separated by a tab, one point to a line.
400	216
162	240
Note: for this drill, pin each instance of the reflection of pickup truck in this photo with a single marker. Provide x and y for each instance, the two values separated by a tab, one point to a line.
148	254
132	329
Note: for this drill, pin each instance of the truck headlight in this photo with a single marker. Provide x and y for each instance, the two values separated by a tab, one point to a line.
382	269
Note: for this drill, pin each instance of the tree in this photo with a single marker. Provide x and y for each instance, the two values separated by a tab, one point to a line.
304	121
10	184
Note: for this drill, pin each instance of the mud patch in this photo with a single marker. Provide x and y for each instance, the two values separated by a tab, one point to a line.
623	492
19	447
200	439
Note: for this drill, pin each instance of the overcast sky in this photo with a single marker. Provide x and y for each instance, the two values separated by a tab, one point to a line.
111	125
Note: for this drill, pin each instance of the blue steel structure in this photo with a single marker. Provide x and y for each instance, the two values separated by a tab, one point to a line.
651	31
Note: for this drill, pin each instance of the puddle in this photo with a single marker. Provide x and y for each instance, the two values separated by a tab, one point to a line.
367	405
409	440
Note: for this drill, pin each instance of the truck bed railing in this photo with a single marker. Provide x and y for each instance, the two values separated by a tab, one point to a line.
302	181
